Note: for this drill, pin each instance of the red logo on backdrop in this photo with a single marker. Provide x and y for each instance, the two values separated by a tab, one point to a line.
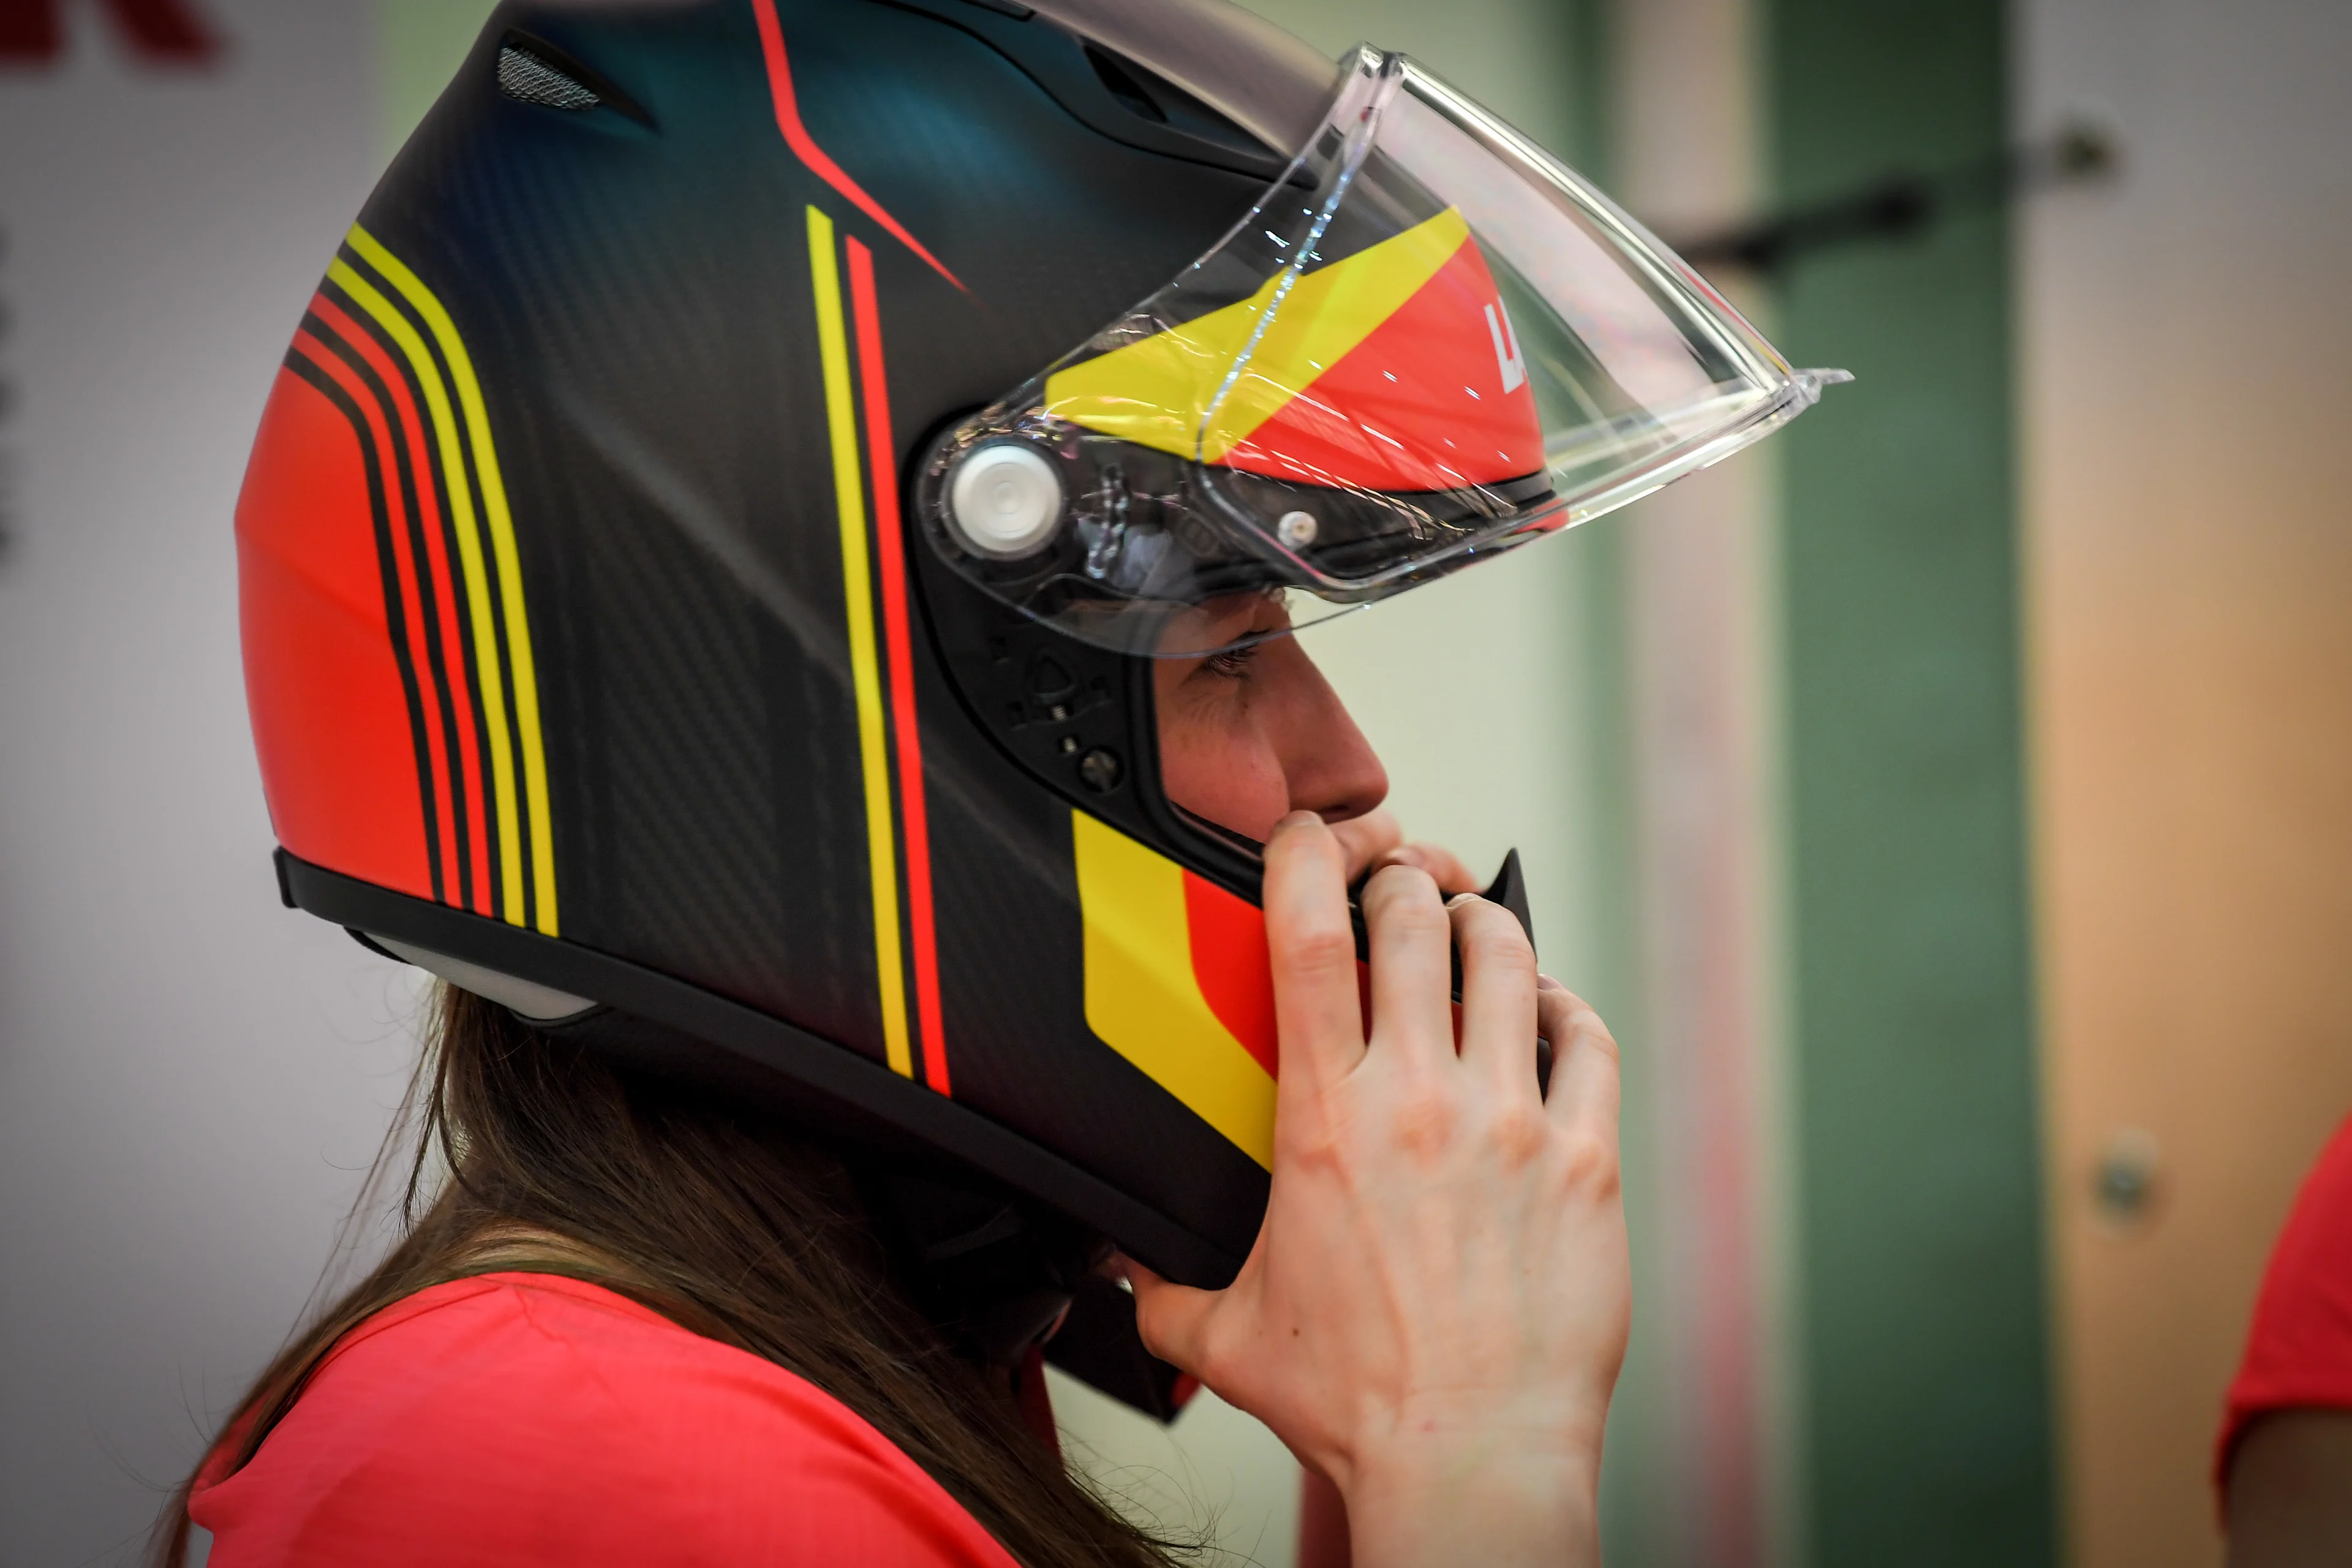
169	32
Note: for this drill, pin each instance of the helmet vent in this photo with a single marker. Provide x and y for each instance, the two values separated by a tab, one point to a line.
1119	80
527	79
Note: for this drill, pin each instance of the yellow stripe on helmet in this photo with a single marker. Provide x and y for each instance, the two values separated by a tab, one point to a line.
1142	1000
1162	392
466	424
865	666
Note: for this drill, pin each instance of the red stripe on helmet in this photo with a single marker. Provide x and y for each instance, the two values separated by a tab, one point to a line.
804	147
1434	398
403	587
889	550
323	684
442	594
1230	967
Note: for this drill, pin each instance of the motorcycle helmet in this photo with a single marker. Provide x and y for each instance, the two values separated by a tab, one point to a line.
703	557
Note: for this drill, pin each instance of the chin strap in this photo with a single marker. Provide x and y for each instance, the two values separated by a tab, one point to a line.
995	1273
1099	1345
1037	1401
1012	1283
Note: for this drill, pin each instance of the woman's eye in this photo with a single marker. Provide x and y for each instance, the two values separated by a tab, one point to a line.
1232	664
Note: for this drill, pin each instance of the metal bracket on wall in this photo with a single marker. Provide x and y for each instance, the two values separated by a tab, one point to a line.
1902	205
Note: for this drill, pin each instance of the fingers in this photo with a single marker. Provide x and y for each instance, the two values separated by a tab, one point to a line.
1498	993
1317	1017
1445	868
1584	1059
1413	961
1173	1318
1366	840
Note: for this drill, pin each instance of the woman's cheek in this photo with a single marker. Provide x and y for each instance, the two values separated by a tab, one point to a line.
1226	776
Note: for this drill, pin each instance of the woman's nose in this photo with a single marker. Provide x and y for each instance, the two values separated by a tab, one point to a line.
1330	767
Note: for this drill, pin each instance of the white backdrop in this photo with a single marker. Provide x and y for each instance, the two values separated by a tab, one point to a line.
190	1075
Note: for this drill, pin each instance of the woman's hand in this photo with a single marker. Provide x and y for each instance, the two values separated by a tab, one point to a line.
1376	839
1436	1308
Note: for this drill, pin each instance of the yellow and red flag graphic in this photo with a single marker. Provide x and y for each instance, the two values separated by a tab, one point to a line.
1396	368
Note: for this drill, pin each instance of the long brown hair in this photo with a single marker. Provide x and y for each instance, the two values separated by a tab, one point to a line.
554	1161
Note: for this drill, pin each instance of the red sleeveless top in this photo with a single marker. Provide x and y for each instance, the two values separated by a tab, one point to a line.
525	1419
2299	1348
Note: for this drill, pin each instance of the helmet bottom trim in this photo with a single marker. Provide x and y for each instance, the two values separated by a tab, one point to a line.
662	1024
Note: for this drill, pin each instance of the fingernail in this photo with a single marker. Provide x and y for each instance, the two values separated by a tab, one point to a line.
1458	899
1296	820
1546	983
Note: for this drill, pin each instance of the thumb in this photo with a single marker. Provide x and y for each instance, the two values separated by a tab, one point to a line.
1173	1318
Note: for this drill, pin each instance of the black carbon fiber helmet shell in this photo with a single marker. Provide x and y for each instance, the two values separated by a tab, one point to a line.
642	772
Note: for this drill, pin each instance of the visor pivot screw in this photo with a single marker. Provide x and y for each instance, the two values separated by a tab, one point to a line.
1004	500
1099	770
1297	528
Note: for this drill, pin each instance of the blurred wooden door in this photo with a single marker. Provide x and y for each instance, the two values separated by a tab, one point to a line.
2188	520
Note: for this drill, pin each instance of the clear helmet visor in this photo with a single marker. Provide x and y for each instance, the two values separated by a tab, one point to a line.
1428	343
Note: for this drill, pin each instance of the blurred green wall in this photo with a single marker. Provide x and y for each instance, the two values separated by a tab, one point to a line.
1924	1380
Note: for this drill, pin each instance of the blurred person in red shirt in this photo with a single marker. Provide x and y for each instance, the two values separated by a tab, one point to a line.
2283	1461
